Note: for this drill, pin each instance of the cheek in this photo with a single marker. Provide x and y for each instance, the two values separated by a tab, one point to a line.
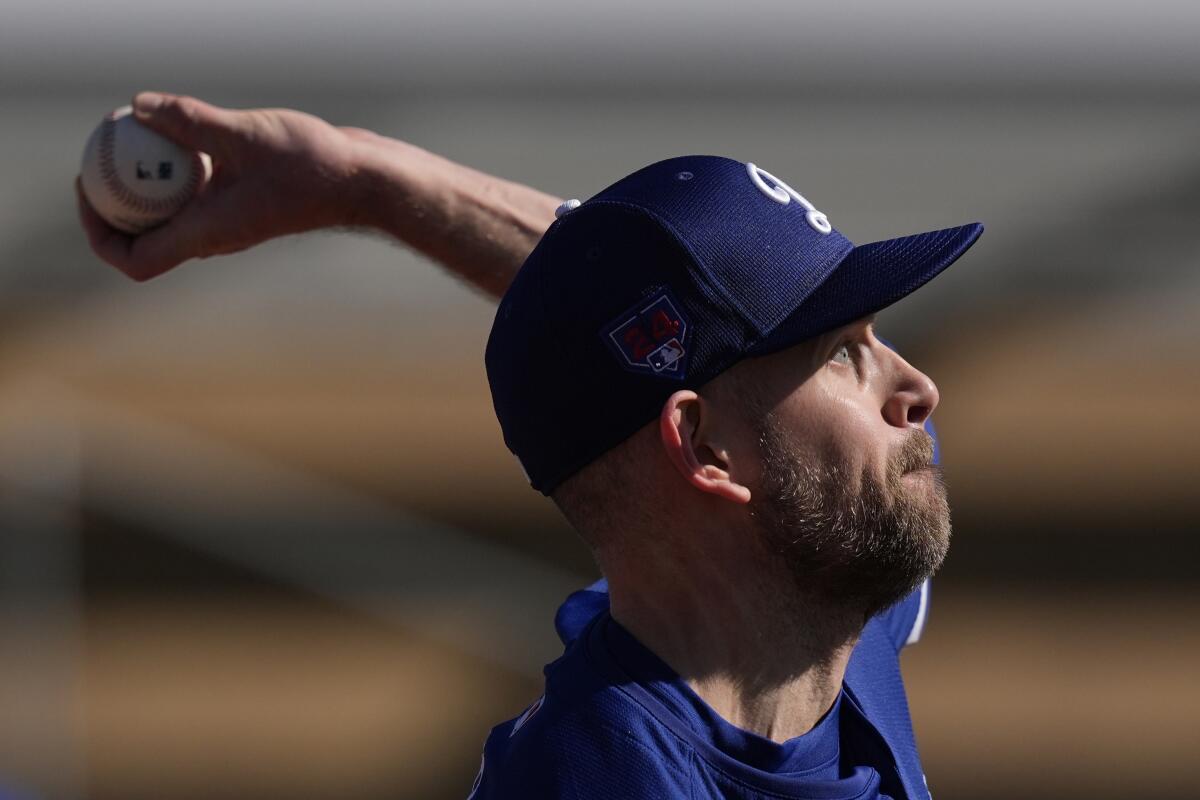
855	438
839	429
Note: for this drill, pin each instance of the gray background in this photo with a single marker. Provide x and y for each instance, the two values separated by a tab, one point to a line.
259	536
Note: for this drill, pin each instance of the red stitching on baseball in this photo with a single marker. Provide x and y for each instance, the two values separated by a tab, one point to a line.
126	196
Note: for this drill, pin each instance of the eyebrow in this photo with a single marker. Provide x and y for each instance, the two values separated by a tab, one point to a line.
868	322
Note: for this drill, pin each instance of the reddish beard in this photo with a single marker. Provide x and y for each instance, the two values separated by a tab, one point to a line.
865	544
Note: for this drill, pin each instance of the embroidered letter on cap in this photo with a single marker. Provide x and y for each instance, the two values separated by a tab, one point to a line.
651	337
783	194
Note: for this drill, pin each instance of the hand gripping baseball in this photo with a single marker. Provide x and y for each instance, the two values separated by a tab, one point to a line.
275	172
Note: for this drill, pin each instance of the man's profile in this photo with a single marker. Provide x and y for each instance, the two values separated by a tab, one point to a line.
757	514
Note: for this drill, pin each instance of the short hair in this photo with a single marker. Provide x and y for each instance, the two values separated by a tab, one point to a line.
600	502
597	500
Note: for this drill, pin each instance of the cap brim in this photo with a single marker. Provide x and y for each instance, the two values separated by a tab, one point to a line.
871	278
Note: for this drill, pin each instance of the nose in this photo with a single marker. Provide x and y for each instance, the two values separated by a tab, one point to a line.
912	397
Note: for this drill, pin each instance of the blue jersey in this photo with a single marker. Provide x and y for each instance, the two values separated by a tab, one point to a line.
616	722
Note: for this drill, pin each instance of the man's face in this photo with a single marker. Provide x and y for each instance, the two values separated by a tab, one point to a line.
847	491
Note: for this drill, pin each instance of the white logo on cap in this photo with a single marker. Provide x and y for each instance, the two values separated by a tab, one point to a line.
783	194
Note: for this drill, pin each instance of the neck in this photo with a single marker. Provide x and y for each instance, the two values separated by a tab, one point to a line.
738	630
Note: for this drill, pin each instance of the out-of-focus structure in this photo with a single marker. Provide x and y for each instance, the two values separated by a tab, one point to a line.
259	536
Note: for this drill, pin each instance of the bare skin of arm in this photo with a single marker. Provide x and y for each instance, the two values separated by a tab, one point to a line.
278	172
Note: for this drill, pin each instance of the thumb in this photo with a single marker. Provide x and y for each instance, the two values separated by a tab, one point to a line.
189	122
212	223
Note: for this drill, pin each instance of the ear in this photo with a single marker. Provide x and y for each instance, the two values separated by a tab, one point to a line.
684	431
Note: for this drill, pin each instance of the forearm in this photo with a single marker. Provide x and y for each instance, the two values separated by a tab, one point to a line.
478	226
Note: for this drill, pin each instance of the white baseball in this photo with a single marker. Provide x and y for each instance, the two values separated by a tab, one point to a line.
135	178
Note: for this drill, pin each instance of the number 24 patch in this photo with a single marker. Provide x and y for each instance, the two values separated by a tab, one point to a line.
651	337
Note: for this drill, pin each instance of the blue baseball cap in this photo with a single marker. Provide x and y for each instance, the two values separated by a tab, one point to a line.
661	282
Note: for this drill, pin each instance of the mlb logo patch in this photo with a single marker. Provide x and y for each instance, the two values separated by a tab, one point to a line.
651	337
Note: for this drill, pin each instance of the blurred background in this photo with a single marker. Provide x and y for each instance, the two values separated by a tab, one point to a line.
259	536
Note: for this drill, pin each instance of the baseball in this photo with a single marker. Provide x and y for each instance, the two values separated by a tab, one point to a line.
135	178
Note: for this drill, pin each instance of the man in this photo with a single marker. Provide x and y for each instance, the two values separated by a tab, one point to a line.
687	364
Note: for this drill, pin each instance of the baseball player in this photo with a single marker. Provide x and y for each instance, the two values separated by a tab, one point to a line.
687	364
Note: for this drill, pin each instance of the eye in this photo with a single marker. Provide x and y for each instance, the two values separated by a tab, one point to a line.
842	355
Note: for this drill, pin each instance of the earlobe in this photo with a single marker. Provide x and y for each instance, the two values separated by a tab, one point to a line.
704	465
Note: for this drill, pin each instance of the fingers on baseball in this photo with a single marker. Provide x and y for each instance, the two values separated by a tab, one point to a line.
192	233
190	122
205	227
141	257
108	243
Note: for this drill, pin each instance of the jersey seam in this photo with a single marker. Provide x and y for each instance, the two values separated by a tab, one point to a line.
624	734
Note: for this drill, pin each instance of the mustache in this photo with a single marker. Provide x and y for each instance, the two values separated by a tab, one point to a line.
915	453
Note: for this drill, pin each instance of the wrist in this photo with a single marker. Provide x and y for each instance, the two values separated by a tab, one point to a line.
358	204
381	175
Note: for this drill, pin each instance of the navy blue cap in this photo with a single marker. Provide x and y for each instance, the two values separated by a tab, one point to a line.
661	282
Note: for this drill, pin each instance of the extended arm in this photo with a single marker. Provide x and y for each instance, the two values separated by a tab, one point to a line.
477	226
278	171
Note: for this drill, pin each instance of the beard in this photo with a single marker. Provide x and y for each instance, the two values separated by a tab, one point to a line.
863	548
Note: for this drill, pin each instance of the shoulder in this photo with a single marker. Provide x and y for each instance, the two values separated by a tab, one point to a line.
583	739
874	682
904	622
874	667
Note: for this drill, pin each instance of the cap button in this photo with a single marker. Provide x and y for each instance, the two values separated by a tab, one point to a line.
566	206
